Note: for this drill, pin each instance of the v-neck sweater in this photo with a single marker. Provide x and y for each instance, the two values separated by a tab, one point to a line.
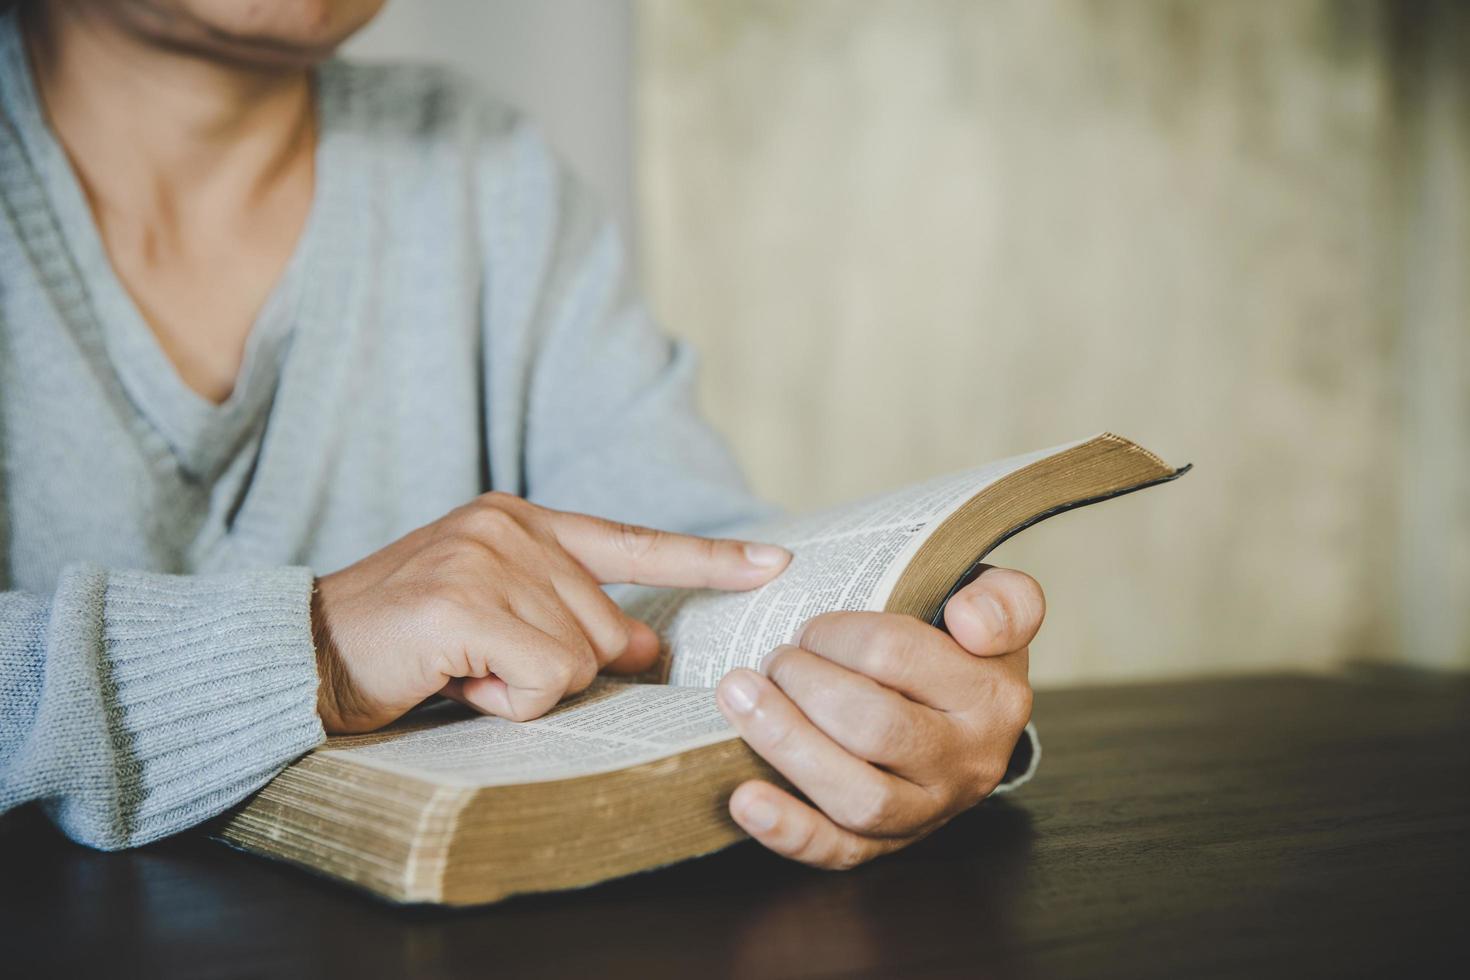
457	318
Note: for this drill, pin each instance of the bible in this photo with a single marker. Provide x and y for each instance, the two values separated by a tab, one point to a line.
445	806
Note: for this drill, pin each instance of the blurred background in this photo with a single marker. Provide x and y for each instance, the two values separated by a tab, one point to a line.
914	235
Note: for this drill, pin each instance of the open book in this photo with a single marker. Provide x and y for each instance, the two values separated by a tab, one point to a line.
447	806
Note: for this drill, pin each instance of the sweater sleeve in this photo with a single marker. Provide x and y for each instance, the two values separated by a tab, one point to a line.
134	705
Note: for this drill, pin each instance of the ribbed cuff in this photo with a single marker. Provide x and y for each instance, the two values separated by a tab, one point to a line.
209	685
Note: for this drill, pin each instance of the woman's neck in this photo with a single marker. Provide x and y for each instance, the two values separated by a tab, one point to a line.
155	132
199	172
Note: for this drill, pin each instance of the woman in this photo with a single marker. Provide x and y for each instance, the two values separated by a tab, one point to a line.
308	374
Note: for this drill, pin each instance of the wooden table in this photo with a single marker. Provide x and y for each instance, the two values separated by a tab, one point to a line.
1273	826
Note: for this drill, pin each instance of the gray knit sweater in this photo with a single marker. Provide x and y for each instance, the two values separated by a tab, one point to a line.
457	318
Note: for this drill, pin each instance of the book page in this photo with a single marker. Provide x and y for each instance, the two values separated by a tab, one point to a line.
846	558
610	726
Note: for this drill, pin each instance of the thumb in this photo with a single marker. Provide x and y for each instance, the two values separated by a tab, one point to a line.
996	614
642	652
614	552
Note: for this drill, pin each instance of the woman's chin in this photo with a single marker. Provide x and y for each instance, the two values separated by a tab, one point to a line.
267	34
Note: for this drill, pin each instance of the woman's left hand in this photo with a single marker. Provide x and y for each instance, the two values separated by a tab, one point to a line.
887	725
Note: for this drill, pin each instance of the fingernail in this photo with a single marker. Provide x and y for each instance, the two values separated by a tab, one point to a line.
992	613
766	555
739	693
759	815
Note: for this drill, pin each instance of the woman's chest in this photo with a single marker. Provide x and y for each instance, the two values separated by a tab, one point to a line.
376	434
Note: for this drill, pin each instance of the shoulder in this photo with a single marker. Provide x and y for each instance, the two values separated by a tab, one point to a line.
430	140
410	98
427	111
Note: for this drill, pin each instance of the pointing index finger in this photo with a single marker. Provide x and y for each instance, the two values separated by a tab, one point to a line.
618	552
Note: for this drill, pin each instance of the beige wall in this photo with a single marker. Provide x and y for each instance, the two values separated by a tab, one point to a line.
911	235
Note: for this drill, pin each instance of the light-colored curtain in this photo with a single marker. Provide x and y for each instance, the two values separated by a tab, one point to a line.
911	235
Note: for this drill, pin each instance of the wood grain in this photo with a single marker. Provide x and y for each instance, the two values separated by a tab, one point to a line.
1269	826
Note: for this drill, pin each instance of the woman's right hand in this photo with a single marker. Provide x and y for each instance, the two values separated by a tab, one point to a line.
498	606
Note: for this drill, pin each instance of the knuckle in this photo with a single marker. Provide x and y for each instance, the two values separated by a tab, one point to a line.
553	677
848	855
1021	701
634	542
778	736
500	500
988	772
1010	702
584	672
460	563
565	671
871	810
881	735
449	659
888	654
882	661
805	843
488	522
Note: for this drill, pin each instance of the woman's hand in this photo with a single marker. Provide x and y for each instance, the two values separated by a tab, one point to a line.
888	726
498	606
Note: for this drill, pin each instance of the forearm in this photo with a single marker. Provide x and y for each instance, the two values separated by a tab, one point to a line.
137	704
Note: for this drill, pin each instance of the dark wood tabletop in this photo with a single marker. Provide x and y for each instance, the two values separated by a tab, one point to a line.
1271	826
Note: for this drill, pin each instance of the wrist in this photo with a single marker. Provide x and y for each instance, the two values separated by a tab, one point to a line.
332	680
